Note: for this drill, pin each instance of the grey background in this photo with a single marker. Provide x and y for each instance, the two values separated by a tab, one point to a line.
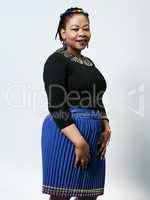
119	47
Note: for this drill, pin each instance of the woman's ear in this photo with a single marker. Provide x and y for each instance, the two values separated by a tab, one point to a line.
63	34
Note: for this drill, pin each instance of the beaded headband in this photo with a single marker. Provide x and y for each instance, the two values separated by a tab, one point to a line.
79	10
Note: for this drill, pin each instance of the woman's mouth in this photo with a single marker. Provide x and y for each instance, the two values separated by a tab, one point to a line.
83	41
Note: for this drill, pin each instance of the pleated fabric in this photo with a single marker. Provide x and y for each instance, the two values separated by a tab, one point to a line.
60	175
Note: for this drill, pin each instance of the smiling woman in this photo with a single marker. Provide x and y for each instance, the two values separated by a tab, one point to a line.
76	130
74	30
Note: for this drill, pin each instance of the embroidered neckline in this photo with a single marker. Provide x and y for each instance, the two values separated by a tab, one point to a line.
83	60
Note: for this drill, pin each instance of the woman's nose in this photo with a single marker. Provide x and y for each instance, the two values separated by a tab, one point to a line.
81	33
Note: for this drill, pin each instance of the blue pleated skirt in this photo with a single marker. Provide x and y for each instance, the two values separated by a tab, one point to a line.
60	175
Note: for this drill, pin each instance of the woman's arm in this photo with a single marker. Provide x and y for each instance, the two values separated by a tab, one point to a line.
54	77
73	134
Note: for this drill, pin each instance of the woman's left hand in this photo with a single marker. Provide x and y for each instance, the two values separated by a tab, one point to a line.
104	139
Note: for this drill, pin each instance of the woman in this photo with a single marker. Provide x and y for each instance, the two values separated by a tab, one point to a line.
76	131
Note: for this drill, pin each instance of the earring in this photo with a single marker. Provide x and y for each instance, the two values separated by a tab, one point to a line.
87	45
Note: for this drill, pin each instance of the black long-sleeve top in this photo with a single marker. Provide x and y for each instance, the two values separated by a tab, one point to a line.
71	84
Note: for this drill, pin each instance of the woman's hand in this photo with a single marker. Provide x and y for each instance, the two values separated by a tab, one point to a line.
104	139
82	155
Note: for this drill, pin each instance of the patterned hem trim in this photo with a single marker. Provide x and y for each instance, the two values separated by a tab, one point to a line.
72	192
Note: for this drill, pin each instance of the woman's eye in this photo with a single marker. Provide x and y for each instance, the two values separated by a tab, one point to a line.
86	29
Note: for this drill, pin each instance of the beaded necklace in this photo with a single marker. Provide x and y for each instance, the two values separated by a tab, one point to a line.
82	59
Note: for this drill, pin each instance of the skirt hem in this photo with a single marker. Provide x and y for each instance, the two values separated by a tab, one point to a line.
81	193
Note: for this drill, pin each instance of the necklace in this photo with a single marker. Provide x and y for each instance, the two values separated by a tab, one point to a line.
73	57
82	59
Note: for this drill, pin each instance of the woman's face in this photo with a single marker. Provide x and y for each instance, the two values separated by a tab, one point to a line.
77	32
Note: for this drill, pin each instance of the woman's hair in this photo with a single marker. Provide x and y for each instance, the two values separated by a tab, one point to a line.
63	19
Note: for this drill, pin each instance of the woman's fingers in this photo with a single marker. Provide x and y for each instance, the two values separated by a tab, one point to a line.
103	153
104	139
84	163
108	140
101	147
77	160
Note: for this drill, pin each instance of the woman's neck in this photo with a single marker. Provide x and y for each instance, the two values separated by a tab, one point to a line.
74	52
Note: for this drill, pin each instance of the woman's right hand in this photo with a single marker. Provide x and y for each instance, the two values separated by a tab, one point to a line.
82	155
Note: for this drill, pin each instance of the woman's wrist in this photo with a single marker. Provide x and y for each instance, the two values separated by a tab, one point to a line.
105	124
